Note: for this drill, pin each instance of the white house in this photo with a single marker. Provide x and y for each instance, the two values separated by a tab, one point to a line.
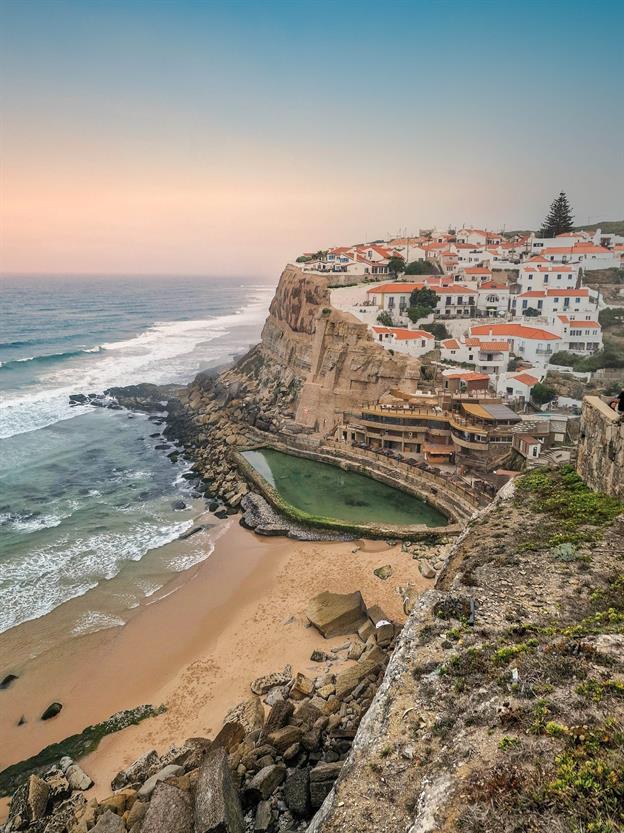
550	302
538	273
491	357
538	244
475	236
412	342
492	300
517	384
588	255
535	344
577	335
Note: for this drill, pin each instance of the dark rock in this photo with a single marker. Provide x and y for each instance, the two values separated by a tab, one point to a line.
297	792
22	720
282	738
138	772
217	806
278	716
230	735
169	811
109	822
170	771
264	783
6	682
178	505
78	399
319	656
52	710
322	779
264	817
189	532
28	804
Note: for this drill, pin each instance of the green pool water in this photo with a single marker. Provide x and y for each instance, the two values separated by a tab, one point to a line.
328	491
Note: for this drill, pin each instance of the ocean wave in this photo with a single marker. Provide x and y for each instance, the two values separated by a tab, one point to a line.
49	357
56	573
158	355
96	620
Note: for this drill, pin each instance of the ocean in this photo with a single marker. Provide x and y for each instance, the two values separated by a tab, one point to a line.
85	496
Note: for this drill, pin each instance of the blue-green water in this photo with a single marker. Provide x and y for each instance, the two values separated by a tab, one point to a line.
328	491
85	494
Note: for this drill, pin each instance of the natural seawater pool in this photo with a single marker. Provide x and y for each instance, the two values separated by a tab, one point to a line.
327	491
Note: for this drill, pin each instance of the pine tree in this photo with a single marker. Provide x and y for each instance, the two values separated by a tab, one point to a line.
560	218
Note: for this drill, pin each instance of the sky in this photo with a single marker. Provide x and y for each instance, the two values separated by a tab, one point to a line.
225	138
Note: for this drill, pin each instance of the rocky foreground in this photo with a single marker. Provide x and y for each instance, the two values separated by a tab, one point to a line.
269	768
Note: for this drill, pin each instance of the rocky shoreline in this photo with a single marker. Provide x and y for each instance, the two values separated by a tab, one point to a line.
268	769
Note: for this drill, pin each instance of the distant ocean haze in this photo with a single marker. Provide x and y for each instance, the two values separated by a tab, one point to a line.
84	494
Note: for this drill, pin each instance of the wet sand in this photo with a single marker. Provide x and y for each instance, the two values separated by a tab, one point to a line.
235	616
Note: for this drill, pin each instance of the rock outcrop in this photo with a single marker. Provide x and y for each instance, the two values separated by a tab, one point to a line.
600	460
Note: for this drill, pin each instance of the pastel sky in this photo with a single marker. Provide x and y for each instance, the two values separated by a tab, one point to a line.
172	136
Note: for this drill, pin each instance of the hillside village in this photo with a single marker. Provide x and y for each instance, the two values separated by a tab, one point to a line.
509	330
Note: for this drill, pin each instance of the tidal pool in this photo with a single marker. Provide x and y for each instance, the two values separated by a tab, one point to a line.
327	491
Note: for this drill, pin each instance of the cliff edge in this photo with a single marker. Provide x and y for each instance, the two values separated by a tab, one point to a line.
502	708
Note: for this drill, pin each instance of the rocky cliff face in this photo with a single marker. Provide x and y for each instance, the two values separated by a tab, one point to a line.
502	707
600	460
332	355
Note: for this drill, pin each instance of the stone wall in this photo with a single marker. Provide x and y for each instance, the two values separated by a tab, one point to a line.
600	460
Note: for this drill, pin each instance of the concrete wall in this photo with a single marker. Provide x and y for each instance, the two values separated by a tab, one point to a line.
600	460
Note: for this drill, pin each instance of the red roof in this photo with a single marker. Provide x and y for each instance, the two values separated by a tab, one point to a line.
494	346
477	270
395	287
408	335
526	379
514	331
555	293
451	344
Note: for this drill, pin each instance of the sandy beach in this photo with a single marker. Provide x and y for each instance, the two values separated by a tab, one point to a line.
194	647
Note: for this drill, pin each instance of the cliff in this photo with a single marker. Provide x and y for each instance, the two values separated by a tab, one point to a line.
336	362
502	708
600	460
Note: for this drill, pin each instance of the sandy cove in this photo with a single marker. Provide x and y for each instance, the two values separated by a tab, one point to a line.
234	617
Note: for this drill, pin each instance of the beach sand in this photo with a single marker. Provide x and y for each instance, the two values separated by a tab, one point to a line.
232	618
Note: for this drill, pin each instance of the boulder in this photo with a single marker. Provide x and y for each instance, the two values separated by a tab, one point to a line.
365	630
58	785
335	614
229	736
348	679
249	713
149	786
278	716
426	570
302	687
52	710
138	772
297	792
169	811
28	804
76	776
278	678
217	805
137	812
264	817
6	681
322	779
119	801
264	783
383	572
282	738
109	822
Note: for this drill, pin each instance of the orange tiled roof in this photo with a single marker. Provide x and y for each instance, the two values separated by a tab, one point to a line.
555	293
526	379
514	331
